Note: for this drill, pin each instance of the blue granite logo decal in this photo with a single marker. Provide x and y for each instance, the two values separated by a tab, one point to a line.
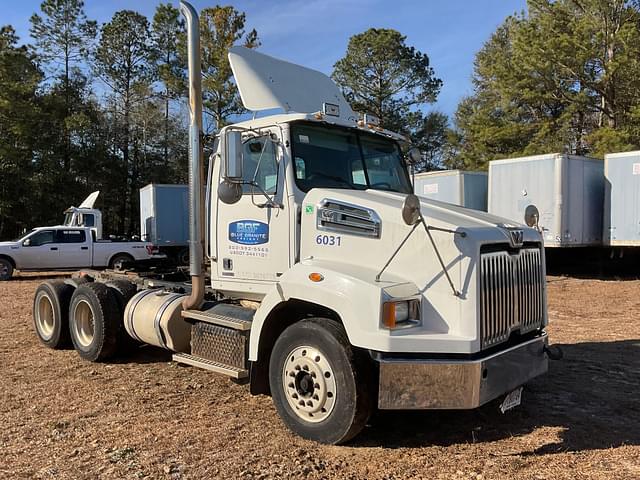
248	232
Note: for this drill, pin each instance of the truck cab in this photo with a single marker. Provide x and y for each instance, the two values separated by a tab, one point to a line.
318	277
85	215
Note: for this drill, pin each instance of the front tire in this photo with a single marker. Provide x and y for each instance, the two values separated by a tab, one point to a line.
320	386
51	313
6	269
94	321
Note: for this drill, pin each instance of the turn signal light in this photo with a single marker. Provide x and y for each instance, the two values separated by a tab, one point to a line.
316	277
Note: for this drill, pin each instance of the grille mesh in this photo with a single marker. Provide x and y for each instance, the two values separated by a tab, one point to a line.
511	294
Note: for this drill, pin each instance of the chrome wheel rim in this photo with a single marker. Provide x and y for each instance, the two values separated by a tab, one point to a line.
45	316
83	323
309	384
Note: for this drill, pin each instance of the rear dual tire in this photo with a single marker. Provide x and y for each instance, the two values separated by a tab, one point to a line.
51	313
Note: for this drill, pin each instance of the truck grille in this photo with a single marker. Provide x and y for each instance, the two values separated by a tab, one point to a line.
511	294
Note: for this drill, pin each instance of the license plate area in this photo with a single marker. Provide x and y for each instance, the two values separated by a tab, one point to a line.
512	400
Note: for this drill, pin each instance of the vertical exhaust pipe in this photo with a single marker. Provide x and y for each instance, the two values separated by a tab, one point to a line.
196	164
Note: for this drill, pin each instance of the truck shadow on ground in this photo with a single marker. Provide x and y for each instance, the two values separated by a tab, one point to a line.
594	263
589	400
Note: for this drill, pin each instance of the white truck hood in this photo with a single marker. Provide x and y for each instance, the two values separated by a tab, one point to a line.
388	205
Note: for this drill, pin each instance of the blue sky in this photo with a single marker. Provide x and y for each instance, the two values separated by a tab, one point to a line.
315	33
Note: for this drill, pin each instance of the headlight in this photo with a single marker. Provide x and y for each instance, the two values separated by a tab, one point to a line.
402	314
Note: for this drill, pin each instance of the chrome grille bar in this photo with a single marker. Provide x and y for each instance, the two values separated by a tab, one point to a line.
511	294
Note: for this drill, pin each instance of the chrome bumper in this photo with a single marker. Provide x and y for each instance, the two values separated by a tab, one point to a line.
407	384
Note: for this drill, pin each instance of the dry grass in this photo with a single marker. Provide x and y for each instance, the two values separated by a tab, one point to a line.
146	417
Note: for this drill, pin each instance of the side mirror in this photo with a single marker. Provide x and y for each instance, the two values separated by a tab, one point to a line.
27	242
411	209
233	156
414	156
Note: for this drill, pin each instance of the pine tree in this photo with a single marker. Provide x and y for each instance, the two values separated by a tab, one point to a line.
63	38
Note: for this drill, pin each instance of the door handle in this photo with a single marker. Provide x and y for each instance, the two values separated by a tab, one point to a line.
84	248
54	248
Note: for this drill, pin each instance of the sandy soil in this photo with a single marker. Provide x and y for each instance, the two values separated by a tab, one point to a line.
146	417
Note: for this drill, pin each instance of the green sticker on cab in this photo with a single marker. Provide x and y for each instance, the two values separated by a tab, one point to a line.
308	209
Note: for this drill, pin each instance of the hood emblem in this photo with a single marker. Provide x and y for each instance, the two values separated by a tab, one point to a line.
516	237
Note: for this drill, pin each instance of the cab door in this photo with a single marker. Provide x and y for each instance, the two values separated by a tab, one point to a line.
252	237
40	250
74	248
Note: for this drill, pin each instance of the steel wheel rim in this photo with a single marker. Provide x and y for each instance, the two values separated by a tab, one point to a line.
309	384
83	323
45	316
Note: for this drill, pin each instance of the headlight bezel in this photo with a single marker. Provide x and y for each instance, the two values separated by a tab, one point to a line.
399	314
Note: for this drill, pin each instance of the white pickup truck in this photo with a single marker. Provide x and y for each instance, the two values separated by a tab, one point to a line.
67	248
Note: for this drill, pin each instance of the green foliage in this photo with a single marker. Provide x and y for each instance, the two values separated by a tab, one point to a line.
565	77
220	29
382	75
19	79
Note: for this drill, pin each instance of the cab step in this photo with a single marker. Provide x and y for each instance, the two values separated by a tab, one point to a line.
224	315
206	364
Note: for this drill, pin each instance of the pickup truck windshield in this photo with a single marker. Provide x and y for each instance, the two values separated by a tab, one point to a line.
334	157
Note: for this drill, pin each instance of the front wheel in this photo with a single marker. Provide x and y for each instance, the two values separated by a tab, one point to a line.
320	386
6	269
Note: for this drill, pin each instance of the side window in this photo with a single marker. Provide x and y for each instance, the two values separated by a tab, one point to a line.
260	164
71	236
41	238
88	220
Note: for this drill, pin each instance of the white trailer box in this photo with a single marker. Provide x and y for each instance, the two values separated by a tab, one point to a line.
467	189
164	215
622	199
567	191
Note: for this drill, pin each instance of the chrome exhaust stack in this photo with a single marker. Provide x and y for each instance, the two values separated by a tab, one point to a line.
196	163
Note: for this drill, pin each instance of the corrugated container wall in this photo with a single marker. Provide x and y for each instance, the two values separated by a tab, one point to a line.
567	190
467	189
622	199
164	214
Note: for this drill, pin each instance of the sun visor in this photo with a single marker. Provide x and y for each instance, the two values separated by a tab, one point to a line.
267	83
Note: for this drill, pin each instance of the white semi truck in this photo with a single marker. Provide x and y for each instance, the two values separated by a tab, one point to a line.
317	276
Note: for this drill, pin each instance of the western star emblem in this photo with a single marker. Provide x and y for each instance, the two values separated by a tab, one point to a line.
517	237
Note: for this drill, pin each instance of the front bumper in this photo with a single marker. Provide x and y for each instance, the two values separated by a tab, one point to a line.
406	384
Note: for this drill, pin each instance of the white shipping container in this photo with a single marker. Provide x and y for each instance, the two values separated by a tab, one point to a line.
622	199
467	189
567	191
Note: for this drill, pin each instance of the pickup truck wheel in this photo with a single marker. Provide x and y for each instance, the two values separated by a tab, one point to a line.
51	313
120	261
320	387
6	269
94	321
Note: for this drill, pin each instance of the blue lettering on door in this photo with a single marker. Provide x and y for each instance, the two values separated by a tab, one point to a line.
248	232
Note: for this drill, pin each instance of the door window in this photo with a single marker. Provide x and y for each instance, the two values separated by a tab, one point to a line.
40	238
71	236
88	220
260	164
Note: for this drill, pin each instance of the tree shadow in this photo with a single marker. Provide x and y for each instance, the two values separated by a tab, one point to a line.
144	354
592	396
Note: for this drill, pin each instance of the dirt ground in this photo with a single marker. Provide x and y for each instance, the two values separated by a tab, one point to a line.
146	417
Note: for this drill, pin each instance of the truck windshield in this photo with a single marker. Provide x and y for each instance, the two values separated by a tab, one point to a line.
334	157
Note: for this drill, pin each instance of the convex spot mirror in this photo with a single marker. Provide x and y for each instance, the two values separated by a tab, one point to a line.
414	156
531	216
411	209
